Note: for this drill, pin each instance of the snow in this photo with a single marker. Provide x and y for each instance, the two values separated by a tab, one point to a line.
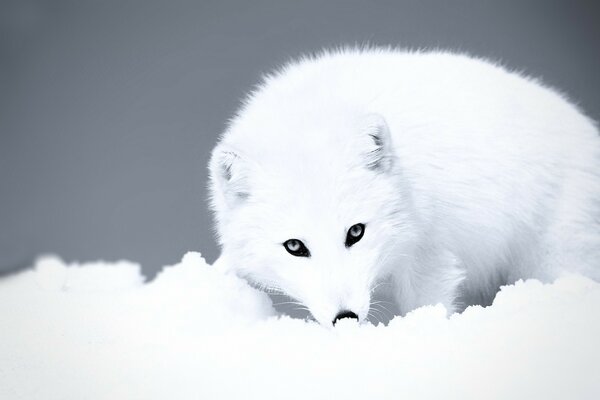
99	331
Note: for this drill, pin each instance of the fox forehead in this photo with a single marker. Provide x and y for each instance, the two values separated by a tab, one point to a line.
313	191
297	199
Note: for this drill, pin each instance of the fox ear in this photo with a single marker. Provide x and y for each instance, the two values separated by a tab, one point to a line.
228	173
379	155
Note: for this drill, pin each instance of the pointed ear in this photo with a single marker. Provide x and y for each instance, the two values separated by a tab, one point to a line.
379	155
229	176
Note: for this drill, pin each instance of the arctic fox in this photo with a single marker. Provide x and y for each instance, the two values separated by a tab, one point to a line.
439	175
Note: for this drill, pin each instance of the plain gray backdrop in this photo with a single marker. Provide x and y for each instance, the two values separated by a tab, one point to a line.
109	109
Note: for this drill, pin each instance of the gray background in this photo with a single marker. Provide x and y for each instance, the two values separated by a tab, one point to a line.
109	109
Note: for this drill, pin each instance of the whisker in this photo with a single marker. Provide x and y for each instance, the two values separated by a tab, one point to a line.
382	302
287	302
378	312
371	315
380	283
388	314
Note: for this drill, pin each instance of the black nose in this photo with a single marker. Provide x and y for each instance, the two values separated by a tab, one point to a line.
345	314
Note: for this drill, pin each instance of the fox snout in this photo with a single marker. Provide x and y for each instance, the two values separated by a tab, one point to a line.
344	314
330	316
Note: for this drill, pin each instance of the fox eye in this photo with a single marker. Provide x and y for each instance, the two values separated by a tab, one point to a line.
296	248
355	233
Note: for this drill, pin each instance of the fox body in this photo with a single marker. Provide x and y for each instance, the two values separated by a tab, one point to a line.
440	175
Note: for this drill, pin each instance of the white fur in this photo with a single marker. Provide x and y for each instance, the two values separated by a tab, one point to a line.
477	177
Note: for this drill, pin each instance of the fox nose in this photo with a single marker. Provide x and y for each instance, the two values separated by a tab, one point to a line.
345	314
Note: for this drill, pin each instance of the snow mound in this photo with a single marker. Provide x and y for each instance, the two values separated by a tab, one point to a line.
98	331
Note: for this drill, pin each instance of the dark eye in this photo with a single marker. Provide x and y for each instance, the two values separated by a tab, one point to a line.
296	248
355	233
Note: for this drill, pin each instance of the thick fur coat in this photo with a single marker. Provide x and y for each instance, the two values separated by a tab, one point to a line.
466	176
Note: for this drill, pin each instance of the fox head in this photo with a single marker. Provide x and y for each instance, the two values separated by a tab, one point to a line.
313	208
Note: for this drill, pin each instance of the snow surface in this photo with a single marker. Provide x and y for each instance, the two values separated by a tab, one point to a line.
98	331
